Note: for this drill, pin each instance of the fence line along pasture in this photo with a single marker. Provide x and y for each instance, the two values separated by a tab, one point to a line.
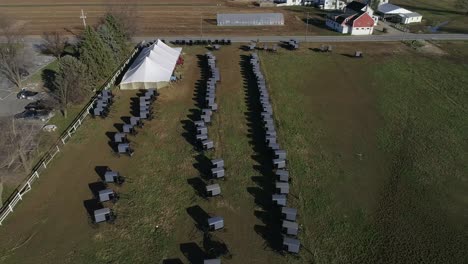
44	162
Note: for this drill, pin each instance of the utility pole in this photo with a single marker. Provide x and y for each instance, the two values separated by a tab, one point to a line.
83	16
201	26
307	26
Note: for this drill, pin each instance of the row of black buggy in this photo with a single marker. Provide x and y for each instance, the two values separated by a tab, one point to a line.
203	42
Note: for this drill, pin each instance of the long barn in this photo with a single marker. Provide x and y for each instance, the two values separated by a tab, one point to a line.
252	19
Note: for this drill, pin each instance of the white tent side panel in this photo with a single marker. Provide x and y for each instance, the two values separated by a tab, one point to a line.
152	68
143	85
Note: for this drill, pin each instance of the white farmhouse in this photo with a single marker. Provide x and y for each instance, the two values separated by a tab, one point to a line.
331	4
322	4
355	7
359	23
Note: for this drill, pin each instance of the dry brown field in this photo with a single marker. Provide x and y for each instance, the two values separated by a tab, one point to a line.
159	17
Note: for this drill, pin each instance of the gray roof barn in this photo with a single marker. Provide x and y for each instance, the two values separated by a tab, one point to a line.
252	19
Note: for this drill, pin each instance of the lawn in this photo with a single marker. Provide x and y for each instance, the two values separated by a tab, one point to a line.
38	76
376	150
442	13
378	154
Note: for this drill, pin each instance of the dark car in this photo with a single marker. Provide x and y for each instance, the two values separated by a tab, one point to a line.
40	105
43	115
25	94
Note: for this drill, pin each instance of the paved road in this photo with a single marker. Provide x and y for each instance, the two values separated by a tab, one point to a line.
344	38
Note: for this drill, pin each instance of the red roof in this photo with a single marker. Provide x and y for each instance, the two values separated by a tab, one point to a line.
361	19
364	20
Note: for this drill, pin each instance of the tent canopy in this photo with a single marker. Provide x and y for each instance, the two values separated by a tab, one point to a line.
152	68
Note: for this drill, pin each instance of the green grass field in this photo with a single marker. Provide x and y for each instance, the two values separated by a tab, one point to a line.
376	150
436	12
378	154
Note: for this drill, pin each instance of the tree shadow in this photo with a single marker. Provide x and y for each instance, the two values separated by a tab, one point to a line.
48	78
454	30
316	22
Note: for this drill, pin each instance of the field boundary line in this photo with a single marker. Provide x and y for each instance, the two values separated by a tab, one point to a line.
47	158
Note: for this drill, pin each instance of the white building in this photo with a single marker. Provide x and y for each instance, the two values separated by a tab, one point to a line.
398	14
322	4
332	4
356	7
360	23
288	2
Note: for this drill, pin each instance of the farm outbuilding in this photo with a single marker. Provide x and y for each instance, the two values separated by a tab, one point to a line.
153	68
398	14
252	19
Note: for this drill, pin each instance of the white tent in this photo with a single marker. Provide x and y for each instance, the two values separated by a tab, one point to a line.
152	68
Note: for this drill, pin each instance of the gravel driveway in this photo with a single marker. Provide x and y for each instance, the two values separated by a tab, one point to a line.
9	104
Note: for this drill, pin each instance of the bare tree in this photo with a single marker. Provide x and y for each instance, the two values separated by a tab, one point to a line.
127	16
18	141
13	58
54	44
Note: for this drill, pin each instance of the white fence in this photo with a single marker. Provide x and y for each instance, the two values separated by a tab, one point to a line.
49	156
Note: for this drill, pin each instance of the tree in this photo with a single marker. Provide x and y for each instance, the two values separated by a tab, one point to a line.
71	83
13	57
54	44
112	33
96	55
18	141
127	18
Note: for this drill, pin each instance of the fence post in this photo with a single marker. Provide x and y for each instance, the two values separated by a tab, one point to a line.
9	208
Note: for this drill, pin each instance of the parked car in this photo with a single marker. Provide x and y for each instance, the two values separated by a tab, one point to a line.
43	115
40	105
25	94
